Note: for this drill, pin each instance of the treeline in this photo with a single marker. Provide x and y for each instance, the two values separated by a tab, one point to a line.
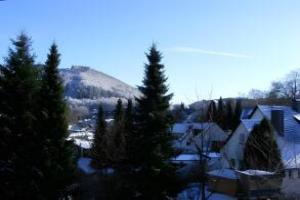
36	160
138	145
286	88
226	115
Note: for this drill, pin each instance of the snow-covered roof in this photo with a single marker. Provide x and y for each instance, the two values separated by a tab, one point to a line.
87	134
291	125
252	172
213	155
182	128
289	144
225	173
85	144
186	157
250	123
246	112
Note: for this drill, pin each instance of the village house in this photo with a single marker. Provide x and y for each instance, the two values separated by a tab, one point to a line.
286	123
189	137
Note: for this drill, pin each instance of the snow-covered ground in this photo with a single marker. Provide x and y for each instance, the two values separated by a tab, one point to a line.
84	164
193	192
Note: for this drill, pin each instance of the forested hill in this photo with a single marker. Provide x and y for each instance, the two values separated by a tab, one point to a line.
86	83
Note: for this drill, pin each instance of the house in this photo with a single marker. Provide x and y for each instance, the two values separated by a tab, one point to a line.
191	136
286	123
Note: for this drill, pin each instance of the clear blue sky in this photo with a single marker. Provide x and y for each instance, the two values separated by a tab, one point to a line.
221	47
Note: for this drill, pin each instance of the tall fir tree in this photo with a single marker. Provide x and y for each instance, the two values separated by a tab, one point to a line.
58	152
261	151
221	114
237	113
20	174
100	143
118	133
128	128
229	115
212	112
153	139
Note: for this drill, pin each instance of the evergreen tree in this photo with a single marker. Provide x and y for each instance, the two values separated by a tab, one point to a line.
179	112
221	114
212	113
19	158
237	113
118	133
128	128
229	115
58	152
261	151
153	139
100	143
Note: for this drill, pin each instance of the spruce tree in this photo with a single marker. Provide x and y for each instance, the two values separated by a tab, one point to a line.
237	113
261	151
229	115
100	144
58	152
212	113
221	114
20	174
153	139
118	133
128	128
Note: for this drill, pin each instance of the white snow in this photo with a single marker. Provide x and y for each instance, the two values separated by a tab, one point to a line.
91	77
297	117
225	173
187	157
82	134
290	153
85	165
252	172
193	192
214	155
85	144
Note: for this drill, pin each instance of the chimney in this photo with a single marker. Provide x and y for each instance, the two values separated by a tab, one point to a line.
277	120
296	105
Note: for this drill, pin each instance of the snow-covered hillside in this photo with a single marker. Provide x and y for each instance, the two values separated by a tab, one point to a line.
86	88
85	83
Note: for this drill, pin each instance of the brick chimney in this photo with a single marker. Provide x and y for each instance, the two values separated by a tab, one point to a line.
277	120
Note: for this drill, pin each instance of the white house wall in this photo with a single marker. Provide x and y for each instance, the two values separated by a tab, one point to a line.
213	133
233	151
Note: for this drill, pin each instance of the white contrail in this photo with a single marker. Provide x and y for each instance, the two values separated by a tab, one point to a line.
209	52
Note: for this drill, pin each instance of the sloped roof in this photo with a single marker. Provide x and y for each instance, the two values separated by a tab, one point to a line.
289	144
250	123
291	125
184	127
246	112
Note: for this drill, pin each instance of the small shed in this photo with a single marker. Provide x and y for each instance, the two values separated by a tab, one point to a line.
260	184
224	181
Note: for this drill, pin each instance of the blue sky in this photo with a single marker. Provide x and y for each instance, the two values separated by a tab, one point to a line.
211	48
